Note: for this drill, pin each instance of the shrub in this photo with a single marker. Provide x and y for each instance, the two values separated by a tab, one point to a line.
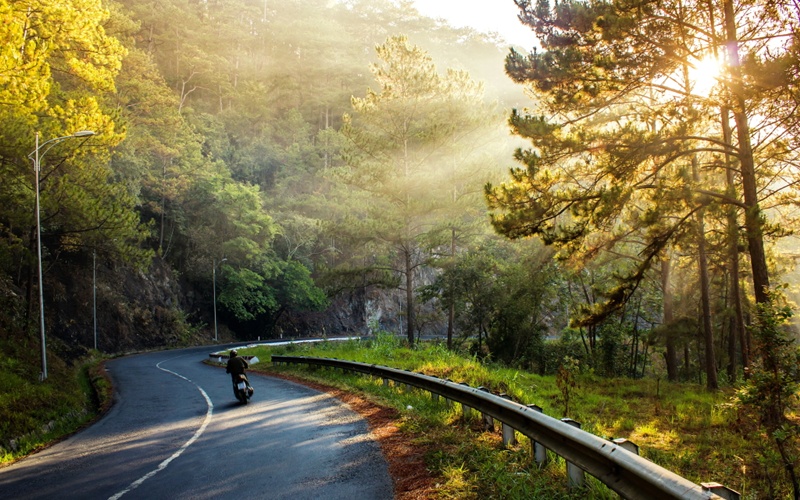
770	394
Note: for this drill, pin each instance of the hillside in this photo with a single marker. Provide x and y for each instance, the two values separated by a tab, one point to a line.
245	169
218	141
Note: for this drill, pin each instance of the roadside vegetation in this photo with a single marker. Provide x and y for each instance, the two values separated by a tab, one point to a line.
201	166
701	435
33	414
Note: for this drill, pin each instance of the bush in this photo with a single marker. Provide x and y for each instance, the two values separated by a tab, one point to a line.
552	354
771	392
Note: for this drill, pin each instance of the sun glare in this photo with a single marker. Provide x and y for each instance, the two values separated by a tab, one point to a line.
704	74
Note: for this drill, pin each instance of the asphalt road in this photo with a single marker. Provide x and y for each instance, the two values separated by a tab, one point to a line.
175	431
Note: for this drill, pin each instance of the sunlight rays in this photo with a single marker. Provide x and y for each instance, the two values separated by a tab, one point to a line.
704	74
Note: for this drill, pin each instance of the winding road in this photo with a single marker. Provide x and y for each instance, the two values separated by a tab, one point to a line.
175	431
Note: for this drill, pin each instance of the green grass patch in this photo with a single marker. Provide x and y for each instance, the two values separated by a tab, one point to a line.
34	413
682	427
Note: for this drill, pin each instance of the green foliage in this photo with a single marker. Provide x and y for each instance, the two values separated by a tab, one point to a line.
610	349
770	394
552	353
75	63
506	295
774	381
469	283
297	290
246	294
626	156
263	296
212	140
566	380
385	344
398	140
33	413
681	427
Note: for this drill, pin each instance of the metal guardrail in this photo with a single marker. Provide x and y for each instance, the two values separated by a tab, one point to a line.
623	471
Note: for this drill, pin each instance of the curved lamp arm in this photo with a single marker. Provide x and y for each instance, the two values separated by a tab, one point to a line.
35	155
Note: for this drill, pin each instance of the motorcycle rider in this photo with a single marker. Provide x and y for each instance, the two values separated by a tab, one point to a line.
236	367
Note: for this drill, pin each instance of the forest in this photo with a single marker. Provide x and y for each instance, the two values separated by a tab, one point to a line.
621	197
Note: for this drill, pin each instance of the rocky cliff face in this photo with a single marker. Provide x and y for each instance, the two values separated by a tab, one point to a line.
362	312
154	309
134	310
344	316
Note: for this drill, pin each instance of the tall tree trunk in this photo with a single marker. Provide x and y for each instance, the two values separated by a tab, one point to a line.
672	352
409	295
733	253
708	332
736	323
731	341
635	341
644	359
710	361
752	216
451	318
592	333
585	345
327	157
702	263
687	361
451	308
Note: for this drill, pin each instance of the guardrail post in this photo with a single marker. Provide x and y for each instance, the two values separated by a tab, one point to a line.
386	382
509	435
488	421
575	475
466	410
447	400
628	445
722	491
539	451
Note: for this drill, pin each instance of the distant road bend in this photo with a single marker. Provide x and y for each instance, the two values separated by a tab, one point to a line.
175	431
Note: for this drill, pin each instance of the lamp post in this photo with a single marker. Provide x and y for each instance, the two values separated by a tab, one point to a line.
214	279
94	297
36	156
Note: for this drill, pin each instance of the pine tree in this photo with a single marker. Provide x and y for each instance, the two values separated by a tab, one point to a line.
398	137
621	127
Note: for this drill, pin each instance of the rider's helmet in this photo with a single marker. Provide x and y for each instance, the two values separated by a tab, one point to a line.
233	353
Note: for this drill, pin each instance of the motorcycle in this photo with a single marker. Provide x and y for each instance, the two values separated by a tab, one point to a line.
242	389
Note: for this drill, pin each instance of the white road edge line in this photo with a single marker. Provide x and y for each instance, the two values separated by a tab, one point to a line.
163	465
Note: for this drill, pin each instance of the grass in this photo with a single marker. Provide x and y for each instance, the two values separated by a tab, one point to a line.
33	414
693	432
681	427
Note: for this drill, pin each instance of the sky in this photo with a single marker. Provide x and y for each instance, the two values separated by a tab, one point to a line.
498	16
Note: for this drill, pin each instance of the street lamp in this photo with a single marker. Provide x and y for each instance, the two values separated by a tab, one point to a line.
94	297
36	156
214	278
